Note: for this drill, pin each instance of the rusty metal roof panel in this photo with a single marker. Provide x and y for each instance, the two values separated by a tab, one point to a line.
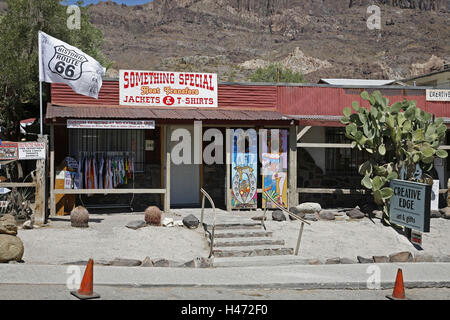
230	96
76	111
63	94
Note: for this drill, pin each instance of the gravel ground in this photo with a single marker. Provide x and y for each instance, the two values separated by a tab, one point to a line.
107	238
350	238
328	239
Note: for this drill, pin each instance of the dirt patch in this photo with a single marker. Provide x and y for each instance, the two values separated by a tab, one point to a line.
107	238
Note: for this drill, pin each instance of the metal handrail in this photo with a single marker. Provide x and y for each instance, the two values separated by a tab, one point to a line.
303	221
205	194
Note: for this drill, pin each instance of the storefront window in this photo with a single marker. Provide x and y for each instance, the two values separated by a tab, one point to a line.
108	140
342	161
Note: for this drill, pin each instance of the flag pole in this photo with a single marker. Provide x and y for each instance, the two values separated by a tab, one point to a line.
40	107
40	84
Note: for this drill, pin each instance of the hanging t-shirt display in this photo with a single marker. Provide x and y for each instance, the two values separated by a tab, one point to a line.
105	170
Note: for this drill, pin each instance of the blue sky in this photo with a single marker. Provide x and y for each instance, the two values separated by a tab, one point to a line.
128	2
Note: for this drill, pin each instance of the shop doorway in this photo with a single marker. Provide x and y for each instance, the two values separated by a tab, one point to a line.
184	178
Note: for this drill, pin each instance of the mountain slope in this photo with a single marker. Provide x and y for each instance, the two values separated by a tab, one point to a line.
320	38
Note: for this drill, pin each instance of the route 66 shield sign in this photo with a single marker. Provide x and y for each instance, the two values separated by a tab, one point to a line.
60	62
67	63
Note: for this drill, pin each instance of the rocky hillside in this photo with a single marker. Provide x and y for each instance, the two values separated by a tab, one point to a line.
320	38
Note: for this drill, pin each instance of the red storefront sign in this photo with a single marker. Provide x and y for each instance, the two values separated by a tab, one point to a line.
168	89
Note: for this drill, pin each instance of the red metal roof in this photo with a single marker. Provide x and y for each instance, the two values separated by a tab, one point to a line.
229	96
116	112
287	99
330	101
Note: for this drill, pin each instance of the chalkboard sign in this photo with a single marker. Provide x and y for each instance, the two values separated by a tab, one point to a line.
410	205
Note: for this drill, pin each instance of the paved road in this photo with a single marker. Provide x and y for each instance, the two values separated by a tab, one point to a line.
350	276
61	292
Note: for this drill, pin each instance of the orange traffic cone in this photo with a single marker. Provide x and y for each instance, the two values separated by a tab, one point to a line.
399	288
86	290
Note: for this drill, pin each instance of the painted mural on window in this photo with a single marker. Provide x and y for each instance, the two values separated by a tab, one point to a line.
244	166
274	167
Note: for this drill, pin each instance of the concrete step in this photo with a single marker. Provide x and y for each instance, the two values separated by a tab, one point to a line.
236	233
235	226
251	251
259	261
241	242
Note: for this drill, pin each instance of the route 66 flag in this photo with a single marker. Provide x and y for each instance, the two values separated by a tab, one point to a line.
63	63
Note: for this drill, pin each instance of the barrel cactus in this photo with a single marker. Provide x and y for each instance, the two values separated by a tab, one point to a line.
396	136
153	215
79	217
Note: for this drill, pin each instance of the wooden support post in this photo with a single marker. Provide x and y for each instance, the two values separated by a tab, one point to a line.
168	162
228	171
292	167
52	171
448	193
40	195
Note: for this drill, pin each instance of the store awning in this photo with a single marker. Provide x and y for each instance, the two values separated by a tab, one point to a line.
114	112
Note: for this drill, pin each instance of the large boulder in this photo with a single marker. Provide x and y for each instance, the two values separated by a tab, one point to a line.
446	212
118	262
435	214
355	213
191	221
364	260
404	256
326	215
295	211
278	215
136	224
153	216
79	217
160	263
11	248
198	262
147	262
309	207
311	217
8	225
380	259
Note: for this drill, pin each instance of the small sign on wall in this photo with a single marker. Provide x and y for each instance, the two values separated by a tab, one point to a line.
32	151
149	145
438	95
9	151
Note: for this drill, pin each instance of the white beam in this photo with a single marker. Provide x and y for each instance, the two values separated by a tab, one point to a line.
303	132
324	145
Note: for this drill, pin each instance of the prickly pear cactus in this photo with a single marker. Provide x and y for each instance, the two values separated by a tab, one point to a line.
396	136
